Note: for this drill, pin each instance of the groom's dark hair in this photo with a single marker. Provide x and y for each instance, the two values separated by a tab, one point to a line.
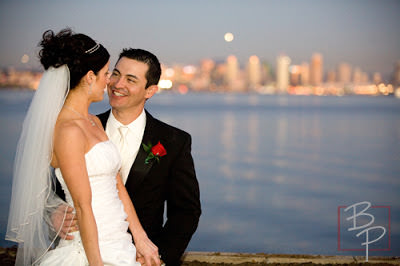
154	72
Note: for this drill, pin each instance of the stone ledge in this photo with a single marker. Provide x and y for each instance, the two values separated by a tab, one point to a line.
193	258
220	258
7	256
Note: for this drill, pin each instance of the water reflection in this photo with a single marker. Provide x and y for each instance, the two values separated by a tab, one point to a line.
227	152
281	138
253	125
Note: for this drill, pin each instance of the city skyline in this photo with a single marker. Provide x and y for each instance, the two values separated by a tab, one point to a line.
363	34
308	78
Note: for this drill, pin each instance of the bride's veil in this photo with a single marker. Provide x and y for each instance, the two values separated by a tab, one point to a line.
33	199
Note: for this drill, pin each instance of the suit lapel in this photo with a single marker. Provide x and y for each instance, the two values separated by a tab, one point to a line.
139	168
104	117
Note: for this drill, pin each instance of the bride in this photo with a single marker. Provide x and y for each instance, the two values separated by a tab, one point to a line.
59	132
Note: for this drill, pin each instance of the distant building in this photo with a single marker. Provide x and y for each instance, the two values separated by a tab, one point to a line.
12	78
254	72
396	74
202	80
377	78
266	73
295	72
357	76
344	73
282	73
316	70
232	72
305	74
364	78
331	76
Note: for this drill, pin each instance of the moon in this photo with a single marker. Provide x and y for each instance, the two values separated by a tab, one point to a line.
25	59
228	37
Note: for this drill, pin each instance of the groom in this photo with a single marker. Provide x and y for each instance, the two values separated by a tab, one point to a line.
160	171
151	182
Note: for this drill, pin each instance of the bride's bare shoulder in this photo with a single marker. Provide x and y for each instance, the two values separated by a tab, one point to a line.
69	131
69	138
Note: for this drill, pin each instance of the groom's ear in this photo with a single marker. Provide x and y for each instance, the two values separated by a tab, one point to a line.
150	91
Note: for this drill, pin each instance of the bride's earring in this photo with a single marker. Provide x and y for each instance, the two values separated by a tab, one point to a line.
90	89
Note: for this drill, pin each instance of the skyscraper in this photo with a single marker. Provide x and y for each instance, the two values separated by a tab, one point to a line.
232	71
305	74
364	78
316	71
202	80
344	73
282	73
254	72
295	72
357	75
377	78
331	76
396	74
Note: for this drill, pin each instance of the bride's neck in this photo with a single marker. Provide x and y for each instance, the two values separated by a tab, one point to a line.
78	101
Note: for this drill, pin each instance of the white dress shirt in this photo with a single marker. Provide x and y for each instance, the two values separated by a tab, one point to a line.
133	139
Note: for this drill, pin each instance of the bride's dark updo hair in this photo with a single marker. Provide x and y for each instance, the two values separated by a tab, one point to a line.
80	52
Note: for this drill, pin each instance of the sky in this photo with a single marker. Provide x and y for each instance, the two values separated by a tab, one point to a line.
363	33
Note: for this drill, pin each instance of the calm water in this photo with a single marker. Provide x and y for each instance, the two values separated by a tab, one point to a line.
274	171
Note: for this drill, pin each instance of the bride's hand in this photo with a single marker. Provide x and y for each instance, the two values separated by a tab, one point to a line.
147	252
70	221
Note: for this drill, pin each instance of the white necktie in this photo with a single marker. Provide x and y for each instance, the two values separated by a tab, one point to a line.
123	148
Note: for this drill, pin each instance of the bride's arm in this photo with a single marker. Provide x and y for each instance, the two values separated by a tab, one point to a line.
69	149
143	244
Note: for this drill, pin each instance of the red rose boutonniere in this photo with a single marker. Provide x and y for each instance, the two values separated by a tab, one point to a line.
154	152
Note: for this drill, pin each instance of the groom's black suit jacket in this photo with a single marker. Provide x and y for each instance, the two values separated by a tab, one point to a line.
172	179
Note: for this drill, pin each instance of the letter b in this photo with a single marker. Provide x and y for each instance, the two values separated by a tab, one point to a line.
357	214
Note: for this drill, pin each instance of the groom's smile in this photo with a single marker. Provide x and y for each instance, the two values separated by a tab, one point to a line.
119	93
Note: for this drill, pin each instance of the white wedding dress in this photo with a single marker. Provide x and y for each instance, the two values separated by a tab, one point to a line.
102	162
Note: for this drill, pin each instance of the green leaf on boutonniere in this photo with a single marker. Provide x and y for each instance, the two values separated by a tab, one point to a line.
147	148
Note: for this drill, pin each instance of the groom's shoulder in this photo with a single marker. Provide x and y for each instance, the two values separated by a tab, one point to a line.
169	130
104	115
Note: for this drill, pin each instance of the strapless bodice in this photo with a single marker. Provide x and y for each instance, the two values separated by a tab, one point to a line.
103	162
